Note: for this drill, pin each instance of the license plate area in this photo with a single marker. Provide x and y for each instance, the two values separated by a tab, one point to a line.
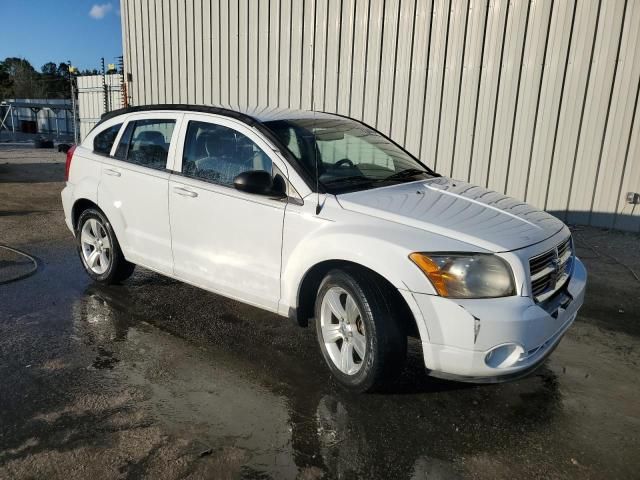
558	304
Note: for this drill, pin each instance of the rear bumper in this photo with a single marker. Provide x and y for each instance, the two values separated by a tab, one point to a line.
67	205
462	333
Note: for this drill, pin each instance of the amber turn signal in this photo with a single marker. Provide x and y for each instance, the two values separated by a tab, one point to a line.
432	271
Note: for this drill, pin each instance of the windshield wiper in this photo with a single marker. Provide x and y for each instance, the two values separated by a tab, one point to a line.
349	179
362	180
408	173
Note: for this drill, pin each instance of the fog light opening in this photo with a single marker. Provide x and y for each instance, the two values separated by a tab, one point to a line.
504	356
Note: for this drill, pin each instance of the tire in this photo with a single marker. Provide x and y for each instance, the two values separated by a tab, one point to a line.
94	235
375	323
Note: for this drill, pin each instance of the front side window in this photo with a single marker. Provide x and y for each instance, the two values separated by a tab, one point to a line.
218	154
146	143
345	154
103	141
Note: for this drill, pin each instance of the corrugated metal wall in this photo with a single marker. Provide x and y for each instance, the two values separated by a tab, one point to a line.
91	99
535	98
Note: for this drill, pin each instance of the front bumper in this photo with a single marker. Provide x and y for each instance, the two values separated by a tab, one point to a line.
461	333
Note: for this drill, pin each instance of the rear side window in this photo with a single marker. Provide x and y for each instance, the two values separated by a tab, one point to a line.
146	143
103	142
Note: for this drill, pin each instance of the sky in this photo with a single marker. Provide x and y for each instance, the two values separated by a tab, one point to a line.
60	30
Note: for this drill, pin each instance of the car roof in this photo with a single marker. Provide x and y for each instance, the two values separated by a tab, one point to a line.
249	115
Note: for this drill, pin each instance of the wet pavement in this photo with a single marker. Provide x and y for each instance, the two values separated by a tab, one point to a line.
159	379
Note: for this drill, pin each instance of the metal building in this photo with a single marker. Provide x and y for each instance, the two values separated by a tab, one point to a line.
52	117
534	98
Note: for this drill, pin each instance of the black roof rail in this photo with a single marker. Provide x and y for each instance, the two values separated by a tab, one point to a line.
228	112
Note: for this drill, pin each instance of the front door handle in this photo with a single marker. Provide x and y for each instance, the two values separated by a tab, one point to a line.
184	192
112	172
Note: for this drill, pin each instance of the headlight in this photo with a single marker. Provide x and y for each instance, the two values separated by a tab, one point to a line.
475	275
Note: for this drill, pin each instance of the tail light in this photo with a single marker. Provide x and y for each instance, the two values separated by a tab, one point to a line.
69	158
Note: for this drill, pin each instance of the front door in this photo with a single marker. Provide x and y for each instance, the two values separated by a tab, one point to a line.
223	239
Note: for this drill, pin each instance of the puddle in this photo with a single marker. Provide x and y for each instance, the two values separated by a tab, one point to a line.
236	392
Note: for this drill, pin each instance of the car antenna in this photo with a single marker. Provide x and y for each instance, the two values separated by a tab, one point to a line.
315	156
318	205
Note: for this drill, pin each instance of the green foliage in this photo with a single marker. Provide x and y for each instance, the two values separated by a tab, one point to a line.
18	79
5	81
49	68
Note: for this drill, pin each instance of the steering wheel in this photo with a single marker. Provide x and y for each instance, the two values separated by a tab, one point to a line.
344	162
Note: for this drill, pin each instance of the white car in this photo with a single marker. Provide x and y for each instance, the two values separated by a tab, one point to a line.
319	217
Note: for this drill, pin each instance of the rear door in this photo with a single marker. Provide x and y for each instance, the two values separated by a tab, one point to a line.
134	185
223	239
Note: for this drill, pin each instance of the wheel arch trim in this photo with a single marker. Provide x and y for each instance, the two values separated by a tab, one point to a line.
313	276
79	206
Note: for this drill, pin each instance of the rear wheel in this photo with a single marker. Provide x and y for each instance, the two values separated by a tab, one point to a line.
99	249
360	336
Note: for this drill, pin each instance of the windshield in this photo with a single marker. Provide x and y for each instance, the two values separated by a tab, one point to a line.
346	155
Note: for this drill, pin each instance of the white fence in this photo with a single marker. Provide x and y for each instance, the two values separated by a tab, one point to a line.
91	99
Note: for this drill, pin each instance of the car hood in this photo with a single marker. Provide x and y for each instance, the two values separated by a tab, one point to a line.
457	210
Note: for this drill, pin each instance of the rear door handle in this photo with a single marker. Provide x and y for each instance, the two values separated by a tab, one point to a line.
112	172
184	192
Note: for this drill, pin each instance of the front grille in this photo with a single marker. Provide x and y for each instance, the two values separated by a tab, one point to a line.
550	270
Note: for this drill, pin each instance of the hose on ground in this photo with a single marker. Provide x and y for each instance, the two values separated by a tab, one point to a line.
30	272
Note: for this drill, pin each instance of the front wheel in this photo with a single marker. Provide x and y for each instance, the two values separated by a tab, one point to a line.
360	336
99	249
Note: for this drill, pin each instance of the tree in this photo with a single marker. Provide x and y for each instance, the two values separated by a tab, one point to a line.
6	82
16	65
63	70
55	80
25	78
18	79
49	68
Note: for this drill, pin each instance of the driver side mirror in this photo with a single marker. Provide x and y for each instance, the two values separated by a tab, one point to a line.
260	183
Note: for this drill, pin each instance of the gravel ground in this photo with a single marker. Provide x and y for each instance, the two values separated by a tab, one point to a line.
154	378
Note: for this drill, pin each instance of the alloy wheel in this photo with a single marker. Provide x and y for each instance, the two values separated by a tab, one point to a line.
343	330
96	246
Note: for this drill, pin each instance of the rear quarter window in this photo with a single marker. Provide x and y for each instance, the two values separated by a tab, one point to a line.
103	141
146	143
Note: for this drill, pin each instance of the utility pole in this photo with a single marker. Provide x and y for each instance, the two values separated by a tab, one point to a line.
73	105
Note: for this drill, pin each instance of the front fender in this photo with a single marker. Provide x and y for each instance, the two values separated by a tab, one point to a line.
338	234
393	264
